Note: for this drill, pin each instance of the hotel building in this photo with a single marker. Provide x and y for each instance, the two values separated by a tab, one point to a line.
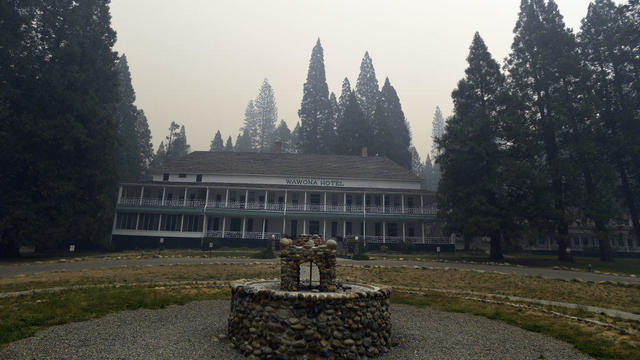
240	198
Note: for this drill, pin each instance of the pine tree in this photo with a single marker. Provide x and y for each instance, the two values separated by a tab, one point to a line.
470	193
381	136
400	135
58	93
134	150
367	90
427	175
352	133
243	142
543	59
296	138
416	163
606	46
283	135
315	109
174	146
266	113
344	96
228	146
252	126
217	144
437	130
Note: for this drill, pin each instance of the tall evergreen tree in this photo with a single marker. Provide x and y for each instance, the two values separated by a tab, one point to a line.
134	149
243	142
427	175
296	138
416	163
228	146
437	130
470	193
315	110
344	96
352	133
607	47
400	135
267	114
217	144
173	147
252	126
381	136
58	88
543	59
367	90
283	135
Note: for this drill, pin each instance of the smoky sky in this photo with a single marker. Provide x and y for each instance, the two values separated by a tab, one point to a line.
198	62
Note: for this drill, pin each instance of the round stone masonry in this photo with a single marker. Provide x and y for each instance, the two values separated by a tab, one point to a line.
352	322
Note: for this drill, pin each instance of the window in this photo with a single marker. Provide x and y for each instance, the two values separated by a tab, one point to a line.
165	177
126	221
149	222
199	178
334	229
182	175
236	224
314	227
378	229
213	223
192	223
392	229
349	228
171	222
249	225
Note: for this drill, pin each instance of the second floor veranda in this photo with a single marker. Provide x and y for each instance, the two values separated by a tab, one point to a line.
285	201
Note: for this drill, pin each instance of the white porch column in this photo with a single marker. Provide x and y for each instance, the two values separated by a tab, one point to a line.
364	203
224	224
384	232
364	230
266	199
181	222
421	205
325	202
422	226
403	232
344	229
206	200
164	193
304	206
324	227
285	202
402	202
226	199
141	194
246	198
119	193
383	203
345	202
159	222
186	190
244	225
304	226
115	220
137	220
264	222
205	223
284	225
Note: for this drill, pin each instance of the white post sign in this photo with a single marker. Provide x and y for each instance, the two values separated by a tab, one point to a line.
72	248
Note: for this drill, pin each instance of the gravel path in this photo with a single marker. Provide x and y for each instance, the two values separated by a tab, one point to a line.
187	332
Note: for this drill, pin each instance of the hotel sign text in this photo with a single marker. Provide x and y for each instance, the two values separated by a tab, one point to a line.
314	182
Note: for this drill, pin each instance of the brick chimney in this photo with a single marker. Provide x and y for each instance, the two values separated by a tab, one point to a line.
364	151
278	147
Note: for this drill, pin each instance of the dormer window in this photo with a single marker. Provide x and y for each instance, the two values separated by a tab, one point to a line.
199	178
165	177
182	176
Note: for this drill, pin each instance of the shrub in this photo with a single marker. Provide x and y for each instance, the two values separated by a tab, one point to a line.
384	248
406	247
267	252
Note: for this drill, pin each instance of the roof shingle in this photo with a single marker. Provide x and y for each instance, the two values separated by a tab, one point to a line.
284	164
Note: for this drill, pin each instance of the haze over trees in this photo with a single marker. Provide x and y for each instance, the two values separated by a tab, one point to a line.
69	127
553	141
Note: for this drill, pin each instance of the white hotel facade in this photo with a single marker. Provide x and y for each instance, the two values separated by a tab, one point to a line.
239	198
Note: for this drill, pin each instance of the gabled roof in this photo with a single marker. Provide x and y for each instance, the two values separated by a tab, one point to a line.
290	165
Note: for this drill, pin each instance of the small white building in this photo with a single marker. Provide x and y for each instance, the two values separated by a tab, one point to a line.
239	198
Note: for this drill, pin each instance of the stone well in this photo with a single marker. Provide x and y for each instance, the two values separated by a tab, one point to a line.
290	319
270	323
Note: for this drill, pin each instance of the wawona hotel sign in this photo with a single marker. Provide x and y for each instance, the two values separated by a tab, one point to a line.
314	182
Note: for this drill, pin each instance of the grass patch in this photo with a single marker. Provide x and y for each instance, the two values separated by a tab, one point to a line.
592	340
24	316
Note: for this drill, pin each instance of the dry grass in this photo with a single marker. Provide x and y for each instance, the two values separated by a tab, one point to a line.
602	295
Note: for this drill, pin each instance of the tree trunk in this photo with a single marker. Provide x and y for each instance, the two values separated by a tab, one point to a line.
604	242
496	247
467	242
628	194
